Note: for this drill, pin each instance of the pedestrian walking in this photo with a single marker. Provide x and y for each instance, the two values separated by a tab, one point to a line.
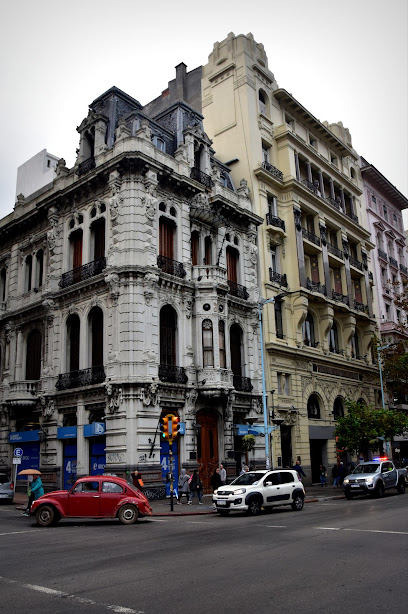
323	476
298	467
183	487
223	475
215	479
196	488
335	476
342	473
36	491
244	469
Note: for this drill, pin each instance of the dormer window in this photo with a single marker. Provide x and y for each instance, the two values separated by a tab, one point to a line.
312	141
159	143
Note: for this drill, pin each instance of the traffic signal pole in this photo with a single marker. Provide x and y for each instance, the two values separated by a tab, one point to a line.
170	426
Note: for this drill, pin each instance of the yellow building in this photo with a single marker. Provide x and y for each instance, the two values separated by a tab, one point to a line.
314	250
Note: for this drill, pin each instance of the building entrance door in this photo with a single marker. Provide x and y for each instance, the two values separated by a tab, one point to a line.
317	448
207	446
286	445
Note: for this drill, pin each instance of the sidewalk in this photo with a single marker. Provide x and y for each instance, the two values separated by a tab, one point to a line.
162	507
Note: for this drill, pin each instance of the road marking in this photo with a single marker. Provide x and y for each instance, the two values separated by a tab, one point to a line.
329	528
361	530
54	593
197	522
17	532
156	520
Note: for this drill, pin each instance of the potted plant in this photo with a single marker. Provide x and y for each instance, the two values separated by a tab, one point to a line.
248	442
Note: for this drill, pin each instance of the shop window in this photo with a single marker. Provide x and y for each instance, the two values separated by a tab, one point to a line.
208	343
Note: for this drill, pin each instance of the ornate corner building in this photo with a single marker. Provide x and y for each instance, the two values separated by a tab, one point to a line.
128	291
314	247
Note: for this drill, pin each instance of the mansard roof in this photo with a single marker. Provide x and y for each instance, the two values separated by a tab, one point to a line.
377	179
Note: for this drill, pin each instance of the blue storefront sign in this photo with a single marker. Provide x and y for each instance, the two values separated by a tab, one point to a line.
24	436
95	429
67	432
70	464
165	464
98	458
30	458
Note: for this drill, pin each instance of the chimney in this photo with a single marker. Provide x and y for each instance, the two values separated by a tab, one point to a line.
181	71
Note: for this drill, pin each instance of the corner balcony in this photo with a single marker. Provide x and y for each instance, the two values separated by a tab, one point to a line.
237	290
81	273
24	393
77	379
209	273
382	255
172	374
86	166
243	384
267	172
393	262
170	266
278	278
272	170
202	178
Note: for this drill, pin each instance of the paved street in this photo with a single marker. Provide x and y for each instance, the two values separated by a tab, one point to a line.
334	555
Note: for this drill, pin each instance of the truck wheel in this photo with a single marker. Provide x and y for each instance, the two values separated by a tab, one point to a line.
401	487
380	491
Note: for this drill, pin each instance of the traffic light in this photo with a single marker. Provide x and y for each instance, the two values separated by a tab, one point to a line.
164	427
175	427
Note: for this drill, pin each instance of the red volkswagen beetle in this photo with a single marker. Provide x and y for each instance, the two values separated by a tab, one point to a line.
96	496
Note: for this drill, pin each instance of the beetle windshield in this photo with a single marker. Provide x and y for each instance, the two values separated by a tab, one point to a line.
371	468
247	479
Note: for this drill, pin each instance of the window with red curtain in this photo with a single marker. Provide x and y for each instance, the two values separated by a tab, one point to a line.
232	265
357	291
208	250
166	238
338	286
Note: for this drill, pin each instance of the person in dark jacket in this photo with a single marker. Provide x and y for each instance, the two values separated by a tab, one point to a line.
342	473
335	476
216	480
297	467
183	487
196	488
322	474
37	490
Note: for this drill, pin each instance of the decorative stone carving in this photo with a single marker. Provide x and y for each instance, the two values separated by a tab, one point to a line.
298	218
53	232
228	408
188	306
114	203
191	398
253	249
200	200
47	407
114	397
112	281
323	234
150	394
3	415
257	405
150	202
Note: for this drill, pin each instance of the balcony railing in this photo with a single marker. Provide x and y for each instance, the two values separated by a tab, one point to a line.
316	286
86	166
84	377
335	251
273	220
334	203
202	178
86	271
352	216
341	298
278	278
393	262
360	307
356	263
403	269
310	236
272	170
370	276
172	374
172	267
382	254
312	187
242	383
237	290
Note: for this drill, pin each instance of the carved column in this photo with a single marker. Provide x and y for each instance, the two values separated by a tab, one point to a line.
321	182
299	246
331	188
309	171
297	167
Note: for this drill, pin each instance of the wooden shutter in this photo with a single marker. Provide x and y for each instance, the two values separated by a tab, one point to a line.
76	239
166	238
235	349
167	337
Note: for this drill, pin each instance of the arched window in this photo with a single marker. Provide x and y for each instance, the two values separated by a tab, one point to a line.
33	358
168	328
262	98
73	329
195	248
313	407
355	347
221	342
232	264
98	238
96	336
308	331
338	409
236	349
333	339
3	285
208	344
39	274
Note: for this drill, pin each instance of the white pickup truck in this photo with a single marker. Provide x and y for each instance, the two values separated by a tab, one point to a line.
374	478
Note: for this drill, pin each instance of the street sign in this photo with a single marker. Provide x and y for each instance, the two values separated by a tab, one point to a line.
18	452
16	460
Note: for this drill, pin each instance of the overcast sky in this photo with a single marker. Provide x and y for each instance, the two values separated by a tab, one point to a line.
343	60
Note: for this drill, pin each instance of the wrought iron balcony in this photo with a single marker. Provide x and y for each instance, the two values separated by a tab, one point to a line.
352	216
272	170
393	262
342	298
312	187
202	178
356	263
273	220
403	269
237	290
86	271
310	236
335	251
172	267
84	377
360	307
382	254
242	383
86	166
334	203
316	286
172	374
370	276
278	278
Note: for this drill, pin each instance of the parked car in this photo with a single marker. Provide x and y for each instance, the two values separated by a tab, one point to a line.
256	489
374	478
6	488
96	496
